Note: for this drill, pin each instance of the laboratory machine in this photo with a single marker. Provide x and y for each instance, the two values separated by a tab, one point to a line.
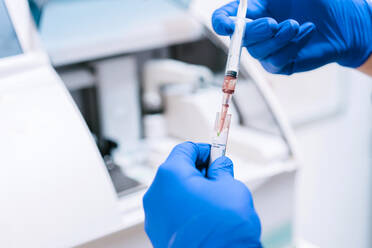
90	107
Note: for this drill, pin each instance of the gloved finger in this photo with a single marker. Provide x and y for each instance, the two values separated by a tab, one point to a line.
257	9
282	62
221	21
260	30
287	30
224	25
184	159
221	168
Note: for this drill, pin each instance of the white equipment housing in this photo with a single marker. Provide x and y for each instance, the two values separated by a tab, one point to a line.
55	189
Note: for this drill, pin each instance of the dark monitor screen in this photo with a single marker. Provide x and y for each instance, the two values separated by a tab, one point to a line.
9	43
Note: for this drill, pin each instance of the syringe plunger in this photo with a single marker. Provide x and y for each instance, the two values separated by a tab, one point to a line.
236	42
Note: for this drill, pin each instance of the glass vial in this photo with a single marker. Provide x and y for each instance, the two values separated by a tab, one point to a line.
219	140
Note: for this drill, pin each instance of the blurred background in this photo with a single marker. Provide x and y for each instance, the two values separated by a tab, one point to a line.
94	94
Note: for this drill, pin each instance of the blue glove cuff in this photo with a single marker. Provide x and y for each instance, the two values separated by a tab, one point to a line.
369	52
218	231
361	48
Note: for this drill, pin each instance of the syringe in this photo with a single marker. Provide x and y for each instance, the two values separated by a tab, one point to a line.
233	61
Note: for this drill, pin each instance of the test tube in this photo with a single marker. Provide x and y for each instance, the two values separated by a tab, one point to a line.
219	140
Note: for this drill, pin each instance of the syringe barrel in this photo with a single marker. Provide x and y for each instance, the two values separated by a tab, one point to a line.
236	43
219	140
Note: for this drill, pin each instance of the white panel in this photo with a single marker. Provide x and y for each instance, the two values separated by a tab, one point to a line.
334	208
134	237
310	96
20	14
54	188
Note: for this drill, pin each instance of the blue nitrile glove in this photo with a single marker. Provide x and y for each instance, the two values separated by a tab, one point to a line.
185	208
310	33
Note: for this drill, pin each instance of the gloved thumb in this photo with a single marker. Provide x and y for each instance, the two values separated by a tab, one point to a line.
221	168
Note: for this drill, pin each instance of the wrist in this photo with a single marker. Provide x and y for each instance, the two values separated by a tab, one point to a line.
358	47
368	60
367	66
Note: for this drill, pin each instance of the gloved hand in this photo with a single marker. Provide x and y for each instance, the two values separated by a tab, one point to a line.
186	208
310	33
